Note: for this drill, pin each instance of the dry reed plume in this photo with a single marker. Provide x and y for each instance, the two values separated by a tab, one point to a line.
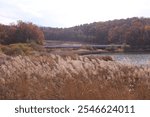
71	77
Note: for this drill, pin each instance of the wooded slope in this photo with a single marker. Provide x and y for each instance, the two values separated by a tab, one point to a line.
133	31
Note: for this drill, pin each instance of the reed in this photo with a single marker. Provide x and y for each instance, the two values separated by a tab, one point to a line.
71	77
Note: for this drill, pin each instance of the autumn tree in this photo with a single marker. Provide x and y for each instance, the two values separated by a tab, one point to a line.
21	33
27	32
3	33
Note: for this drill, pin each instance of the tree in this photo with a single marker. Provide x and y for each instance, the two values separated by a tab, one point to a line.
28	32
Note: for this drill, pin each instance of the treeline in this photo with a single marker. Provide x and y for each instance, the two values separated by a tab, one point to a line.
22	32
133	31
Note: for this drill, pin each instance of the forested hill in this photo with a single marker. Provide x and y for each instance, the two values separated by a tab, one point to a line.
133	31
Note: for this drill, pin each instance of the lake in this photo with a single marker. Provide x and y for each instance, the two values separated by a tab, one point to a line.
131	58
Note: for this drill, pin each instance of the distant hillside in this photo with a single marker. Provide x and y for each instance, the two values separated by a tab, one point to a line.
133	31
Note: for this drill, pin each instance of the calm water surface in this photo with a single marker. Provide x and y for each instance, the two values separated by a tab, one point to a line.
132	58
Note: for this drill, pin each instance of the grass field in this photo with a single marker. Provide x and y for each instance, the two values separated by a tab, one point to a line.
71	77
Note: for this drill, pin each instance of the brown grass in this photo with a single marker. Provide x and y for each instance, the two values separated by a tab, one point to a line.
71	77
21	49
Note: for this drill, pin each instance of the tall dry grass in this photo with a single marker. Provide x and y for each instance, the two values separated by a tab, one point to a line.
71	77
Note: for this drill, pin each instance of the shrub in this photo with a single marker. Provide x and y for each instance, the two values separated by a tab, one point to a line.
17	49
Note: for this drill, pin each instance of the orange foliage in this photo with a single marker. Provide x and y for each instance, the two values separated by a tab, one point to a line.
21	33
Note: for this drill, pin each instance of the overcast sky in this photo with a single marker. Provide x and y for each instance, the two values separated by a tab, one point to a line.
66	13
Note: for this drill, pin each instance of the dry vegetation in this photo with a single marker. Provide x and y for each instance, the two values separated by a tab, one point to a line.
71	77
21	49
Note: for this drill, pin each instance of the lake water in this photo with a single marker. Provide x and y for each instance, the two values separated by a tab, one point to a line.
131	58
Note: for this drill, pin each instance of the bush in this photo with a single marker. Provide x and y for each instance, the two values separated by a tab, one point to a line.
17	49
